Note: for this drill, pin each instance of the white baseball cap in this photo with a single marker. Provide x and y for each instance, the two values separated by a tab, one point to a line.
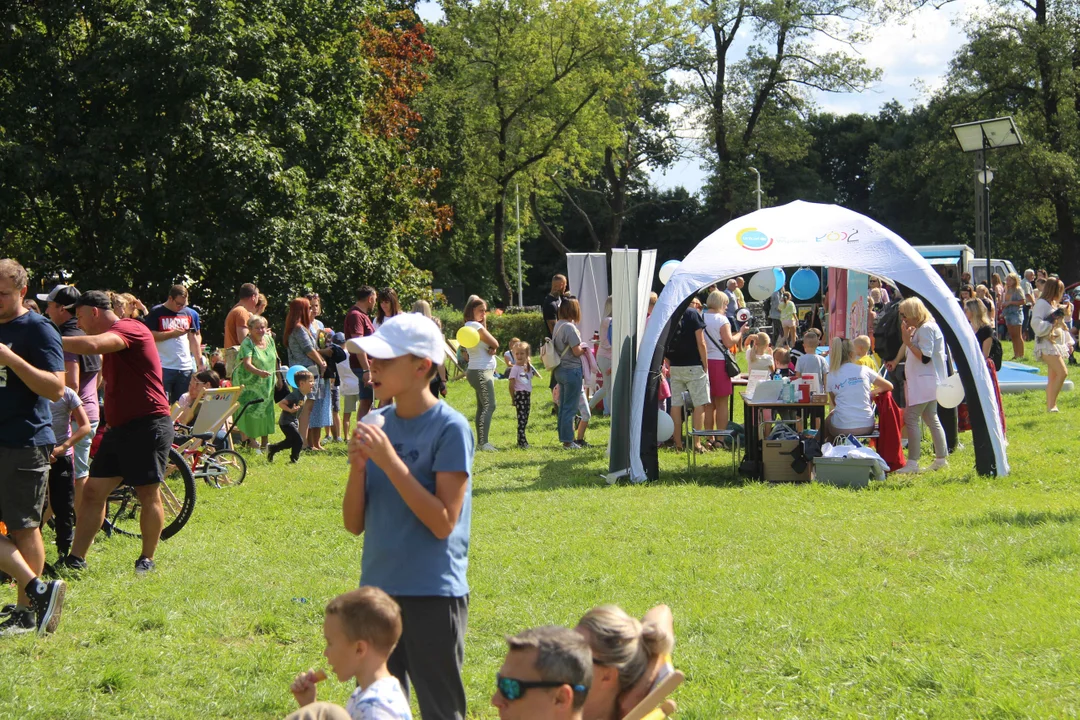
405	334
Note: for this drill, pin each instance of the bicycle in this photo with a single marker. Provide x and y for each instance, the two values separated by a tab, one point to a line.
221	468
177	490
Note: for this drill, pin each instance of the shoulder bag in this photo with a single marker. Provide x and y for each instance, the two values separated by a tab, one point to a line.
731	365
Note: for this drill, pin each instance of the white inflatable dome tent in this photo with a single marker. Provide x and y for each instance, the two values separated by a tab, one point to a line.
812	235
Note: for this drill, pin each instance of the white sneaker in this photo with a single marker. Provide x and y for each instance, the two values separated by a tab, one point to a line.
911	468
937	464
488	447
258	451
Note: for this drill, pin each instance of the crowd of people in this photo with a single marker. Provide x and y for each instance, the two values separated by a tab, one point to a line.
409	487
87	397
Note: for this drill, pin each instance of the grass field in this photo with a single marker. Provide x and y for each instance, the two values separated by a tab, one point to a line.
947	595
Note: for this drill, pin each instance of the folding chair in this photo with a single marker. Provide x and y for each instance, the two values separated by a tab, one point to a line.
691	434
215	411
655	705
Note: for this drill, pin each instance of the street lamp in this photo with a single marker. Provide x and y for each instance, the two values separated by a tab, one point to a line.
758	191
981	136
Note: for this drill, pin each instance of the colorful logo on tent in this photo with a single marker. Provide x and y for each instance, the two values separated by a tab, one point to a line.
838	236
753	239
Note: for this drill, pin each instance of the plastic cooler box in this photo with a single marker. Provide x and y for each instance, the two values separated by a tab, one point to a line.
844	471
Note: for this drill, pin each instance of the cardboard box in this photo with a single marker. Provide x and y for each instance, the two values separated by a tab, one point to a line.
776	462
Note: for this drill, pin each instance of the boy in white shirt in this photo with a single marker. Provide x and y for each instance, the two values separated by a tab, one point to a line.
361	628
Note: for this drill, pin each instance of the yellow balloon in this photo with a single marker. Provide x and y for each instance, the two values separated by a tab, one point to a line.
468	338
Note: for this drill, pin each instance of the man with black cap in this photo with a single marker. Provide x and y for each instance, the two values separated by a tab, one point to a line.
135	448
81	374
31	375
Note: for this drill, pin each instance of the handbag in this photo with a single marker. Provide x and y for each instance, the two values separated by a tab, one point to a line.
549	356
731	365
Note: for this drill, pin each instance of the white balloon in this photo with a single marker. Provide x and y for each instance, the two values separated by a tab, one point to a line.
665	427
667	269
951	392
762	284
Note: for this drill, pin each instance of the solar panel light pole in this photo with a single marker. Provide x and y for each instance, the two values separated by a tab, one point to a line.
982	136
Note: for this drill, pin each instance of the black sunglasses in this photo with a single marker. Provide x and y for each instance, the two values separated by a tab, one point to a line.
513	689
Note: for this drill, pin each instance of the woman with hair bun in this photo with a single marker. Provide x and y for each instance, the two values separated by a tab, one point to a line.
630	657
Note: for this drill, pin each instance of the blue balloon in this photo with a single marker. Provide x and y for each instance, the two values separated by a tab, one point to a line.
805	284
781	278
290	375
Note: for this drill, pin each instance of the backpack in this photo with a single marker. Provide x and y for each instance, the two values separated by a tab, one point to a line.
766	305
995	352
548	354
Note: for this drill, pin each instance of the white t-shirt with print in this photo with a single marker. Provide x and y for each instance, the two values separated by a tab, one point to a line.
381	700
851	386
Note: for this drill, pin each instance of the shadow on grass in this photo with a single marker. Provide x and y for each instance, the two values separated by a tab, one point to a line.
581	471
1021	518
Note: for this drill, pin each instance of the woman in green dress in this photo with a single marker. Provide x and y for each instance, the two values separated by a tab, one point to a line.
256	370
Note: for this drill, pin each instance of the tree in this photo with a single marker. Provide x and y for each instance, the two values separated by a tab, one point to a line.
217	143
1025	61
751	106
531	79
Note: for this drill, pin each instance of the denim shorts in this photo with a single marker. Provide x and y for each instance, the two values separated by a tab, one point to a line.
82	453
1014	315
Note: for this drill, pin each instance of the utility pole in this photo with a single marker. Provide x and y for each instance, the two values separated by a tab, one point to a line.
517	220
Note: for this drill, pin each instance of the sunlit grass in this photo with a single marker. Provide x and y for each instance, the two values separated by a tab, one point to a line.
948	595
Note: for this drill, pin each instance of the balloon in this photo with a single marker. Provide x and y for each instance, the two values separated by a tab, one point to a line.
951	392
742	315
667	269
805	284
762	285
467	337
665	427
781	278
290	375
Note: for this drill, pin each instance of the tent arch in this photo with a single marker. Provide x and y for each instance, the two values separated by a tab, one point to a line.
812	234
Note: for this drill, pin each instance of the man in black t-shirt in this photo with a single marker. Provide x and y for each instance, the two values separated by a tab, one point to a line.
689	363
550	306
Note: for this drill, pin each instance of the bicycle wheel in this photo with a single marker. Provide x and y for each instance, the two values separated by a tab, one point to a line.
177	500
224	468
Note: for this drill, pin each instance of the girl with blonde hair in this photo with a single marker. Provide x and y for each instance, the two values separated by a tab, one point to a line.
630	657
1053	341
759	354
924	349
1012	307
851	389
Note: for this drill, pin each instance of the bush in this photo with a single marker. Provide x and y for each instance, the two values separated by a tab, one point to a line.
528	326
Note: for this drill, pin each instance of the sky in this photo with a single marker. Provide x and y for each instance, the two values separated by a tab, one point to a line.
913	57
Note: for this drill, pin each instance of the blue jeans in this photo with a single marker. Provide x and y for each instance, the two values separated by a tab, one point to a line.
176	382
570	380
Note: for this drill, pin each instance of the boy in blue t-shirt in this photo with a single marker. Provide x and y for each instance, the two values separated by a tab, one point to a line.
410	493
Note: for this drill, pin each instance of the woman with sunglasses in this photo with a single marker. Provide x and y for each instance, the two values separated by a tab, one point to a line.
630	657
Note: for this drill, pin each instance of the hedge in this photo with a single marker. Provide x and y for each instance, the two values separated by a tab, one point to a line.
527	326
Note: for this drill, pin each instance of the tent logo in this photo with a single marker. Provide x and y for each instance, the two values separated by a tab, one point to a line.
753	239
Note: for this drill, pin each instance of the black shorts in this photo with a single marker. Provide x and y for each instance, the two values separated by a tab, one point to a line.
137	452
24	474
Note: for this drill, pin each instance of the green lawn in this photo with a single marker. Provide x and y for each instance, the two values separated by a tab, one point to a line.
949	595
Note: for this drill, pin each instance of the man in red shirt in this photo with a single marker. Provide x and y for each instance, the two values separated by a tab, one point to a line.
358	324
135	448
